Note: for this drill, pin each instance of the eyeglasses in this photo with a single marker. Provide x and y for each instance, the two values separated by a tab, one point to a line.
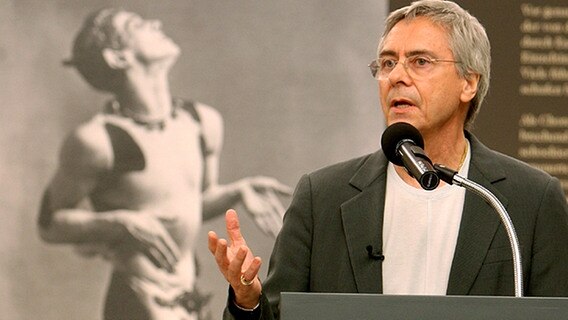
416	66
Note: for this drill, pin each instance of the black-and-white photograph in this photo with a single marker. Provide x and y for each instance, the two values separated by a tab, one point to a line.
129	127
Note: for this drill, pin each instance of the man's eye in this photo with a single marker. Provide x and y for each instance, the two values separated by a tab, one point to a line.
388	64
421	61
137	24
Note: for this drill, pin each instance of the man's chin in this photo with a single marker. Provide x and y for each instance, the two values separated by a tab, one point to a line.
170	59
394	120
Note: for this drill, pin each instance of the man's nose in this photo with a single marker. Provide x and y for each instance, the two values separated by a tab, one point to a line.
399	74
156	24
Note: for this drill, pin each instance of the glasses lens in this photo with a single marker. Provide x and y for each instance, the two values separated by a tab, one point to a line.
374	67
419	66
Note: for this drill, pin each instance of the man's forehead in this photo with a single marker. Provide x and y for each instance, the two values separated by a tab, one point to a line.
415	35
123	18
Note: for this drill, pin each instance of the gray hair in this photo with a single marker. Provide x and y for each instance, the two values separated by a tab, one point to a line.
468	42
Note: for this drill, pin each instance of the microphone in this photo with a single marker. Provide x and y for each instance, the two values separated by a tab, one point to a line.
374	255
402	144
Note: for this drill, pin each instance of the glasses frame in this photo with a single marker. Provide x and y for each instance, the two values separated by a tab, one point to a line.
374	65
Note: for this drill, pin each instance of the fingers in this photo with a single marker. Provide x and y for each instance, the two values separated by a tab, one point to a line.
147	234
252	200
237	261
275	202
280	187
231	263
248	290
269	222
158	259
276	209
277	212
260	197
234	229
221	257
171	249
283	189
228	257
266	209
252	271
212	239
166	252
161	248
219	251
267	183
235	267
238	267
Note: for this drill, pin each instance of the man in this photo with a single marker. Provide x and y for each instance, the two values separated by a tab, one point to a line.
148	164
365	226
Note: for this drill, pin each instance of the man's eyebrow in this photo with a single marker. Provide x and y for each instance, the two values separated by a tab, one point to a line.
130	20
419	53
387	53
392	53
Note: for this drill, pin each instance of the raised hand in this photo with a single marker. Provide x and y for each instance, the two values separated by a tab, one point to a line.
236	262
260	196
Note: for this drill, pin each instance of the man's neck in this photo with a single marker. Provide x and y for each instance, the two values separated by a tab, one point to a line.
446	149
147	99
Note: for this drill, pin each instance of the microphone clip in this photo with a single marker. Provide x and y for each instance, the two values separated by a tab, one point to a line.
375	255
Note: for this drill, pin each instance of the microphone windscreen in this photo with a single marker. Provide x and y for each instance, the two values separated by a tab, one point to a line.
394	135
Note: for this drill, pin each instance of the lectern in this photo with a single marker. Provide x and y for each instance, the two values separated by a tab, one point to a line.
349	306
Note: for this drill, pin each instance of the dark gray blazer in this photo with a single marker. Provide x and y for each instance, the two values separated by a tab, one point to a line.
337	212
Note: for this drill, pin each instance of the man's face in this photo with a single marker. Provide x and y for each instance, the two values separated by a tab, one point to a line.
431	101
144	38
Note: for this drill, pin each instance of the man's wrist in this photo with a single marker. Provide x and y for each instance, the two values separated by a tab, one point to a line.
246	309
240	312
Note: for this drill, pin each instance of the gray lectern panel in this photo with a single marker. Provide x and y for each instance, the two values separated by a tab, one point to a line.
344	306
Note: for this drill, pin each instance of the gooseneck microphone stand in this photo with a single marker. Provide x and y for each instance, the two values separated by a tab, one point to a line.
450	176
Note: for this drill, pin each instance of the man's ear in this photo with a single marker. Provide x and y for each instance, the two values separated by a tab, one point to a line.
469	89
116	59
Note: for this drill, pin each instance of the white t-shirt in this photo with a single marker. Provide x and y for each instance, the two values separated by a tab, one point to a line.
420	232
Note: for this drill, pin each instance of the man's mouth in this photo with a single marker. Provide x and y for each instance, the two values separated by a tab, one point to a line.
401	104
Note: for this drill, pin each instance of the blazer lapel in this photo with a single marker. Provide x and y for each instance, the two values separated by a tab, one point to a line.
362	218
479	222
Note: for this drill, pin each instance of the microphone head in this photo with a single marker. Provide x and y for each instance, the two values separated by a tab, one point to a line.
394	135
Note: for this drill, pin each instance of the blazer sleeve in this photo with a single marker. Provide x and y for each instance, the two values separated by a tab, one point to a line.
548	276
232	312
